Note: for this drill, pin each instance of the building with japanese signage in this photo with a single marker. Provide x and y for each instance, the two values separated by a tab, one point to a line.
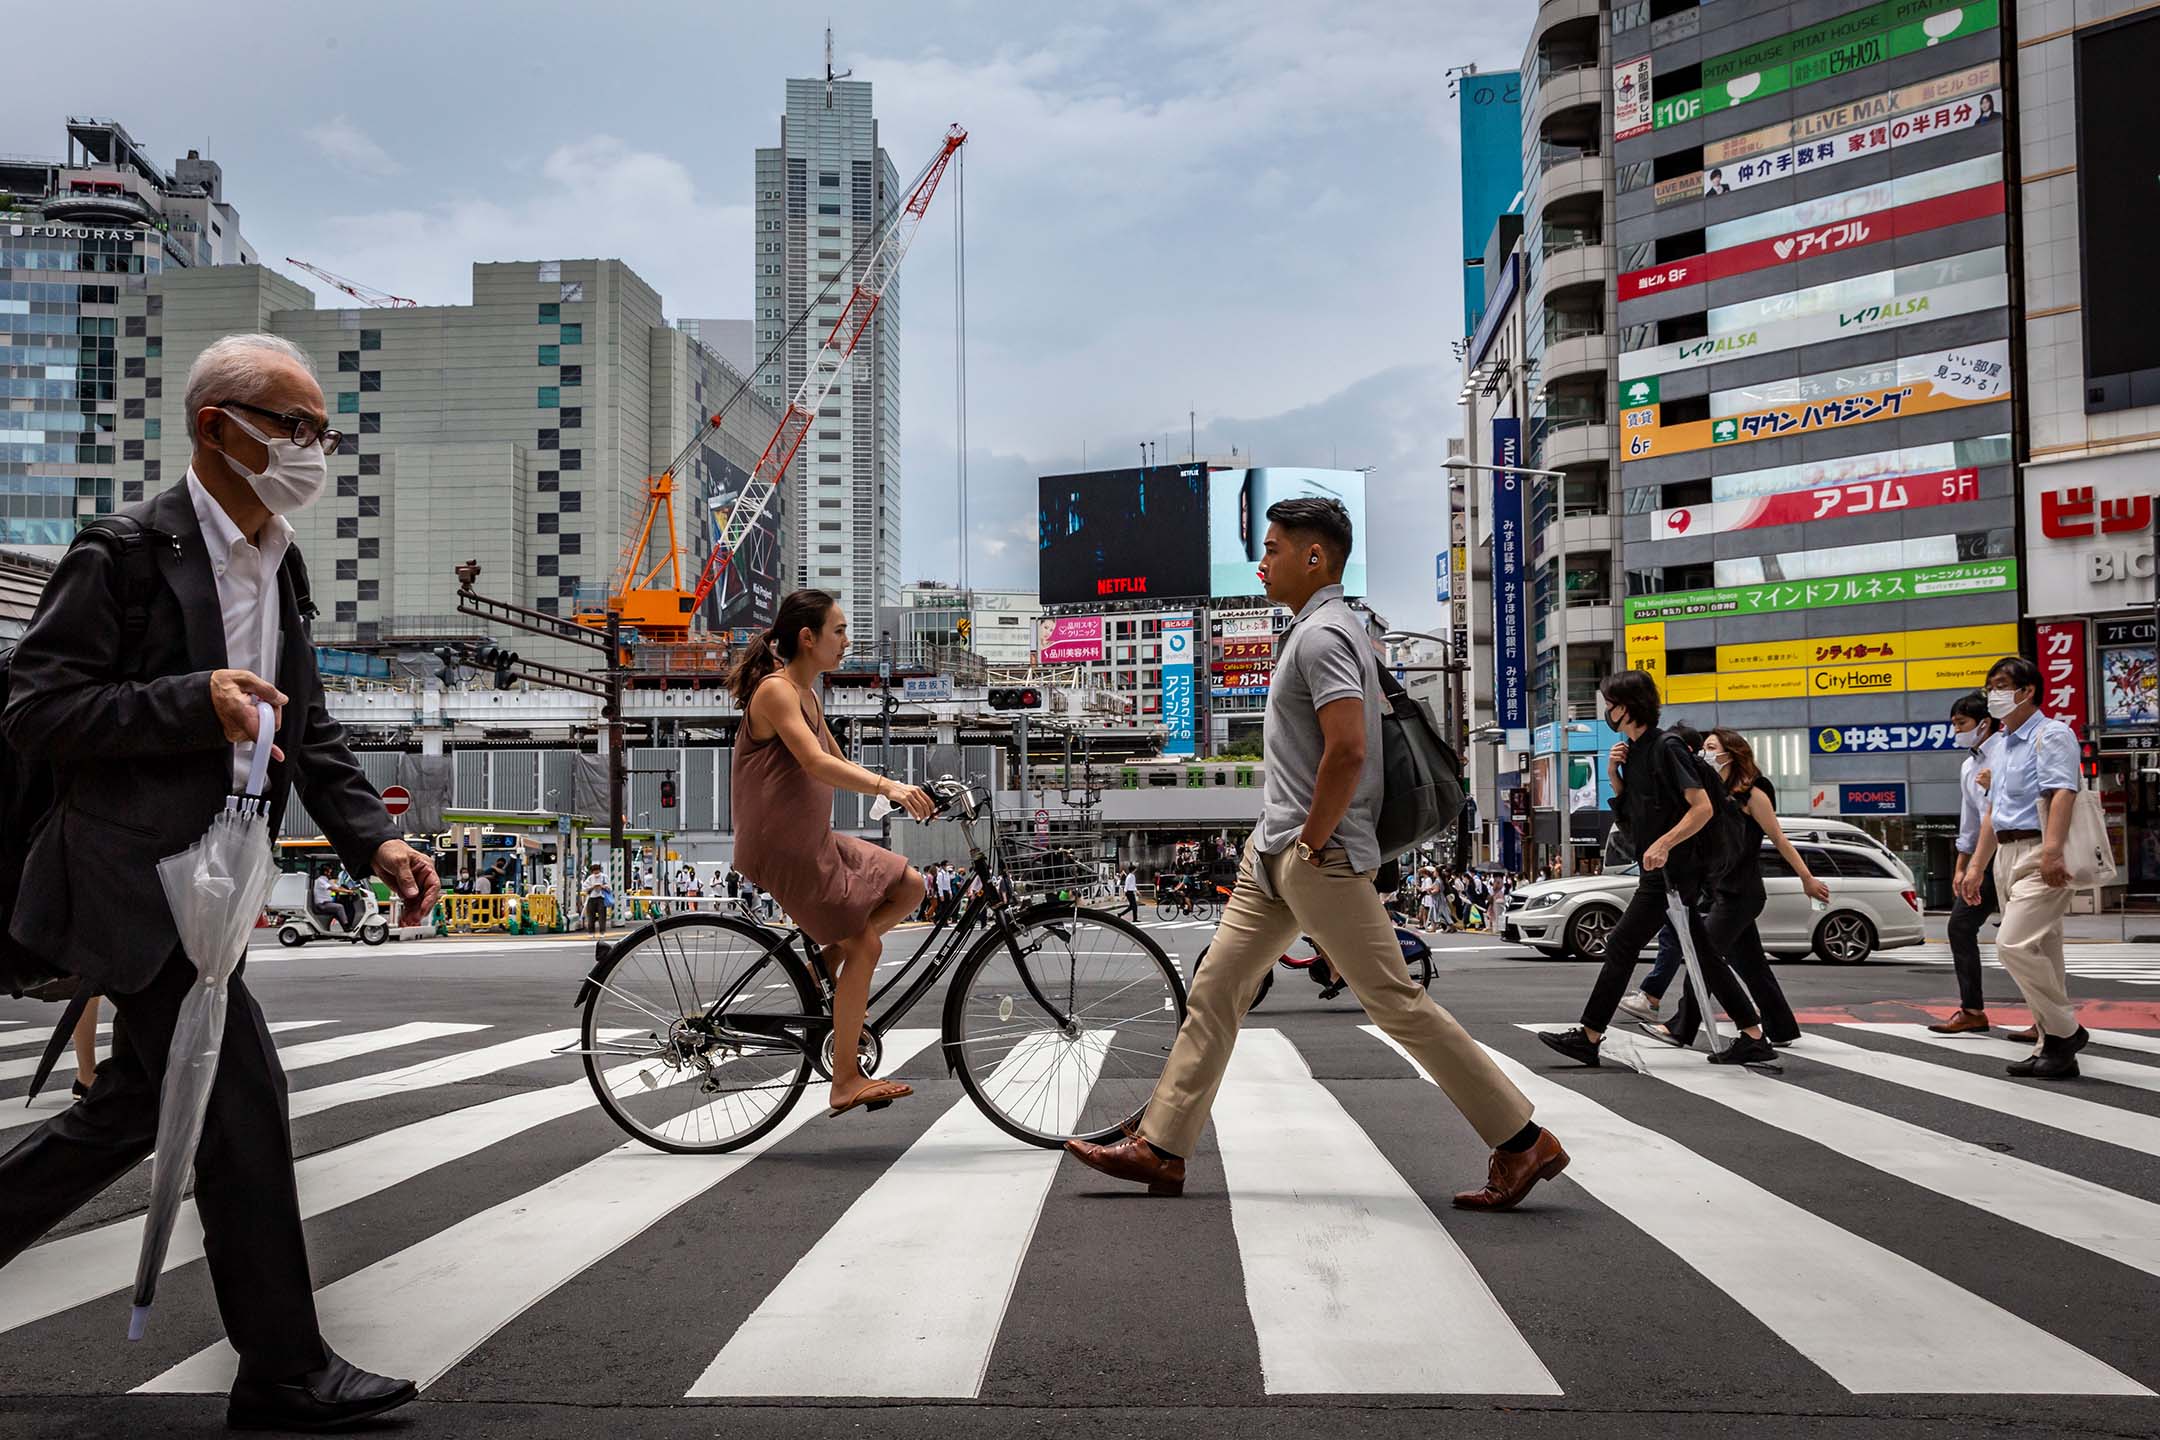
2092	472
1816	384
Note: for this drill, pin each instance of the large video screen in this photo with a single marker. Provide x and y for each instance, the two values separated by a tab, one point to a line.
1118	534
2118	109
1238	502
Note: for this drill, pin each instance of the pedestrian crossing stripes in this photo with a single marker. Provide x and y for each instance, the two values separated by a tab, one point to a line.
19	1069
1312	1184
2128	963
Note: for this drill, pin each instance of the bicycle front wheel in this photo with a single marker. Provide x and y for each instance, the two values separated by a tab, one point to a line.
663	1047
1066	1039
1203	910
1166	909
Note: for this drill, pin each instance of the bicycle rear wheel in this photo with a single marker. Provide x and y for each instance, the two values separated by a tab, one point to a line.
1071	1048
660	1051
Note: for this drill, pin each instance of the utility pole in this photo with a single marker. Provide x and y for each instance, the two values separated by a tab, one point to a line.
612	713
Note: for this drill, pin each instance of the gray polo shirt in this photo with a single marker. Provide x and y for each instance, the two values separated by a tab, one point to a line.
1323	657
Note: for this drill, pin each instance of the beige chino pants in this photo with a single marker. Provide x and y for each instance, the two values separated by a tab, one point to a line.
2029	939
1338	907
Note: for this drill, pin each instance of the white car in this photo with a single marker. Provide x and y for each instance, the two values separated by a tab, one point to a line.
1873	902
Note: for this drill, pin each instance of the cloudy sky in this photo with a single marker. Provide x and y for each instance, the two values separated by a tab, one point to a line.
1246	211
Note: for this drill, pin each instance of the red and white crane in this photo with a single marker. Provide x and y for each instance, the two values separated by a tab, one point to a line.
367	295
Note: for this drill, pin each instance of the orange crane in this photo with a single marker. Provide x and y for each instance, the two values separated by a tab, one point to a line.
367	295
663	613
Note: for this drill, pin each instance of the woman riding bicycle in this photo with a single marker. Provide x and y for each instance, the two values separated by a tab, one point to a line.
845	893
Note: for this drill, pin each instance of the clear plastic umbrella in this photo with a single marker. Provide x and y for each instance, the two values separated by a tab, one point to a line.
215	888
1676	910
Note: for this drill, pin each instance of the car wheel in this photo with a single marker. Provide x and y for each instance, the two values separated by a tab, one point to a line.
1590	928
1844	938
289	936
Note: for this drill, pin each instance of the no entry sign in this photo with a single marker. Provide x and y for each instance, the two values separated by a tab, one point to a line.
396	800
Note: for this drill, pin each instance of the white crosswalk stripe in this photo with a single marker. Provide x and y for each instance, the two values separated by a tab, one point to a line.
19	1069
2099	1067
1355	1280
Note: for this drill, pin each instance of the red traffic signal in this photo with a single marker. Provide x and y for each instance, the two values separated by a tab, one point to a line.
2089	759
1015	697
667	794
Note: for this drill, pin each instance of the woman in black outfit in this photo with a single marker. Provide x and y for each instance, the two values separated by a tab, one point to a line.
1739	898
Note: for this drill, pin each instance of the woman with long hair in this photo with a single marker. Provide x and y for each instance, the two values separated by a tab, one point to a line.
845	893
1739	898
1973	728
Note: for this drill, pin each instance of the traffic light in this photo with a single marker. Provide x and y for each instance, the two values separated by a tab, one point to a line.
667	794
1015	697
2089	759
501	661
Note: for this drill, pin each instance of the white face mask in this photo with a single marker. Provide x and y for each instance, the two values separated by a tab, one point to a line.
1716	759
296	475
2001	703
1966	739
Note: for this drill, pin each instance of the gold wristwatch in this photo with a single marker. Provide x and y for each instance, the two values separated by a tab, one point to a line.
1306	853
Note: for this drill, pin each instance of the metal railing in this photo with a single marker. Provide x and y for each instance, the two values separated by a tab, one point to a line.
1560	326
1558	239
1549	66
1550	154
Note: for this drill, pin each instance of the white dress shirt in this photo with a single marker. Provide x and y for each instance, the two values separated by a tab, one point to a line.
1972	800
247	594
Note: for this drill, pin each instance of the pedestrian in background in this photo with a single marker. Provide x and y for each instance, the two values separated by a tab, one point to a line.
1129	883
1976	735
1662	803
1309	869
2022	836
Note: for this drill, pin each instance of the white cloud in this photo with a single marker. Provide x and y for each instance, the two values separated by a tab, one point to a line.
344	143
595	198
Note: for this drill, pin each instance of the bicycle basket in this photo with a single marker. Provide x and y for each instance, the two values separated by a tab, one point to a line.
1053	851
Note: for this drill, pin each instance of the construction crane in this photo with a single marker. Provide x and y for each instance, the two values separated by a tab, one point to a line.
660	610
367	295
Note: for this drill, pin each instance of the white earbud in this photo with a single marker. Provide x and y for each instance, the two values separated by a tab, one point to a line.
1311	560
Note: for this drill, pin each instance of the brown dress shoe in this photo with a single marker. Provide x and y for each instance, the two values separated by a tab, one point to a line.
2025	1036
1132	1158
1963	1022
1512	1175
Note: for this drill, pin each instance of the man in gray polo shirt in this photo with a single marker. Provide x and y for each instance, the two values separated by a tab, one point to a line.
1308	869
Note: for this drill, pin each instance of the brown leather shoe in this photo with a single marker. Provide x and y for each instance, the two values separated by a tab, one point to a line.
1512	1176
2025	1036
1962	1022
1132	1158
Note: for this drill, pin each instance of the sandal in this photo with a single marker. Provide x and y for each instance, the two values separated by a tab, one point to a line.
875	1096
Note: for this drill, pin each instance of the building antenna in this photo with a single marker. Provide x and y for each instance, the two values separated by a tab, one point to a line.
830	75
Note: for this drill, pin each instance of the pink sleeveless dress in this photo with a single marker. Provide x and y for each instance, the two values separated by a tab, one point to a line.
784	838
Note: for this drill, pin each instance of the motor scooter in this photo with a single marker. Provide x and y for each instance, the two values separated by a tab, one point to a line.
373	928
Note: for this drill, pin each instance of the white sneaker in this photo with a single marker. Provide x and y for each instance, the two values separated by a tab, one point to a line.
1640	1006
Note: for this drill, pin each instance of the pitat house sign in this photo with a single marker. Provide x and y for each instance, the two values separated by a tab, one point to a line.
2089	534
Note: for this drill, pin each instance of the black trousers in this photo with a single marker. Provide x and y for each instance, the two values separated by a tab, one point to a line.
1965	923
1731	923
1643	918
1132	904
244	1187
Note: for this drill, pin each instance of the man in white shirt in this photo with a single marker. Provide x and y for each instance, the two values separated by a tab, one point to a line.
1131	886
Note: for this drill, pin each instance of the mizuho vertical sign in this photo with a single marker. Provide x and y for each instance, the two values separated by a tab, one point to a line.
1511	641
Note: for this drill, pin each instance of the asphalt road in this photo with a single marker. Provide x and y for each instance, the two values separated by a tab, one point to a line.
1886	1239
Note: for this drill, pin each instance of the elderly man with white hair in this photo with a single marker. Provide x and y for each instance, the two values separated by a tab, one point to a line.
138	683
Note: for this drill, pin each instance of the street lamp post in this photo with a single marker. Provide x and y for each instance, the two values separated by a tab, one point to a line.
1567	866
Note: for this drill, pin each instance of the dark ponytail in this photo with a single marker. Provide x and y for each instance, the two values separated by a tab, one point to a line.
800	610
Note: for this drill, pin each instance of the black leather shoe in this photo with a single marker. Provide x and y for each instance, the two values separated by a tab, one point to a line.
2022	1069
338	1394
2067	1045
2055	1067
1746	1050
1572	1043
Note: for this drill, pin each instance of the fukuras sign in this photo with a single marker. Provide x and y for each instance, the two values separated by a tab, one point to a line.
72	232
2089	534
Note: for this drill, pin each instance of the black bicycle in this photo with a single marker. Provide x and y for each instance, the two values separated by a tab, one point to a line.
701	1031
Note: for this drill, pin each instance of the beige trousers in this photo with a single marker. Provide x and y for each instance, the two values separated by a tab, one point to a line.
1338	907
2029	940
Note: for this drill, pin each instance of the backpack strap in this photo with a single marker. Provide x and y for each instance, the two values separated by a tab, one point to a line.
296	568
134	550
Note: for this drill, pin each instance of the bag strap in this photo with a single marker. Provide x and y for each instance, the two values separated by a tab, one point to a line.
132	544
296	568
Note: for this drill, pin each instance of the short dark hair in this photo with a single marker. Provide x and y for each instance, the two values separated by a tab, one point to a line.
1321	517
1687	735
1972	707
1635	692
2023	674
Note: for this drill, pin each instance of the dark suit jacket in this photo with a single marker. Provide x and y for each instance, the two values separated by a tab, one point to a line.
142	762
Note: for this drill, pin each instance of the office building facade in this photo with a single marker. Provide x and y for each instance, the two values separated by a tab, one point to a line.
83	239
1816	422
821	195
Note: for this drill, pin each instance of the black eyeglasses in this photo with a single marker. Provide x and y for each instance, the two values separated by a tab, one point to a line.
303	430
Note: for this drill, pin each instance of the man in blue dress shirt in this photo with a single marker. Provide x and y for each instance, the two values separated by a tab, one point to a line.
2023	833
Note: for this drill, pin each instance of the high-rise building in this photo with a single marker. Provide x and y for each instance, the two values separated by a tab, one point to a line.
734	341
2092	360
83	239
822	194
1816	417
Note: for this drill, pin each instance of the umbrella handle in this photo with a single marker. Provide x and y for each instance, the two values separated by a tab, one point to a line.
259	768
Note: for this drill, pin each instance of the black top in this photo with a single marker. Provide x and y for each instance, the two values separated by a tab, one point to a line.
1747	873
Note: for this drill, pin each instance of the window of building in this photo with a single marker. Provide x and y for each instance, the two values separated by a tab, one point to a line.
154	387
371	590
830	181
371	548
154	347
550	314
550	397
131	368
573	417
548	564
572	376
548	522
371	339
371	380
131	409
570	502
371	464
828	232
572	545
132	327
573	334
346	612
348	487
828	210
370	505
348	360
547	272
550	439
547	481
130	491
371	422
130	449
154	304
828	549
348	527
153	471
348	569
573	459
573	291
551	354
547	604
567	585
